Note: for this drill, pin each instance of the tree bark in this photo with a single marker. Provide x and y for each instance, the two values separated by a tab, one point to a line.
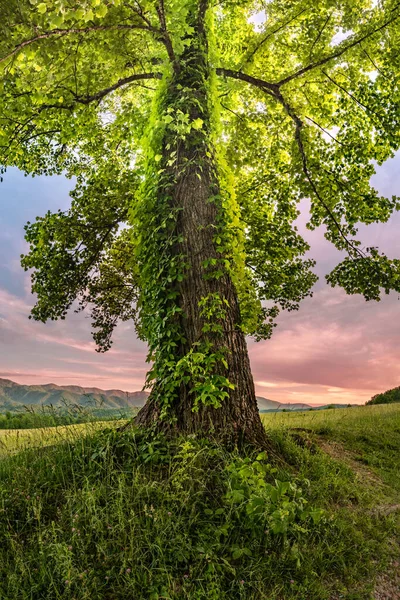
195	192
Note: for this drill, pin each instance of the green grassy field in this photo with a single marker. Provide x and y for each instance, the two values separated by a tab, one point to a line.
365	435
90	514
15	440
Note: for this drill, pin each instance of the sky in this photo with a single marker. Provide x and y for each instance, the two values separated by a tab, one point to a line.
335	349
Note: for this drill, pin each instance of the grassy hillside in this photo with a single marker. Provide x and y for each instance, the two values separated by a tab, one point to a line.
110	516
364	435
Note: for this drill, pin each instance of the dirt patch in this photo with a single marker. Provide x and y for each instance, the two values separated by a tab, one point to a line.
362	472
388	584
387	509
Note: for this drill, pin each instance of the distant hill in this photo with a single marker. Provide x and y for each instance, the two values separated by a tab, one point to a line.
14	395
272	405
388	397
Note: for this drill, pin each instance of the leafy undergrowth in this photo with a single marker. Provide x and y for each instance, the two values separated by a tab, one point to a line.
119	515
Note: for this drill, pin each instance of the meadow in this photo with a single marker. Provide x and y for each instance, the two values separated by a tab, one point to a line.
87	512
15	440
362	435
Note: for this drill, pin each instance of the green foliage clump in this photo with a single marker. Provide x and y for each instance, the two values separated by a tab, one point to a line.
388	397
32	420
129	514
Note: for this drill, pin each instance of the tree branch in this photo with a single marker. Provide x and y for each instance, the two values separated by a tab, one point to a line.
273	90
366	108
315	42
342	48
203	5
102	93
112	88
373	62
298	128
64	32
270	88
270	34
140	12
160	8
325	131
233	112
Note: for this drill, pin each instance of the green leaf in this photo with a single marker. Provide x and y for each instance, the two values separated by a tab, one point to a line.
42	8
89	16
57	21
197	123
101	11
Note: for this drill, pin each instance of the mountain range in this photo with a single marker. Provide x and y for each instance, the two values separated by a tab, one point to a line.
14	395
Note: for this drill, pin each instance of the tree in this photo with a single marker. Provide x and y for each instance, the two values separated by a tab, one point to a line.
388	397
192	133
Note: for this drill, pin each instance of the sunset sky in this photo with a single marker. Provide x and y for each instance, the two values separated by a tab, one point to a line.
337	348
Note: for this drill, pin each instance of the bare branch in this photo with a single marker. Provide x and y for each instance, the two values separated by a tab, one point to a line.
64	32
341	49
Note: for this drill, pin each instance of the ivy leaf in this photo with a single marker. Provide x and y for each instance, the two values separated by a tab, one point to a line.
197	123
89	16
101	11
57	21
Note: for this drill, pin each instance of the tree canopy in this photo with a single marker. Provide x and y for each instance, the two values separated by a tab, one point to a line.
304	101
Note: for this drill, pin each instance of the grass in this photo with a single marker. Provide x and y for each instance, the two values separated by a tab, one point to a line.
369	435
15	440
110	516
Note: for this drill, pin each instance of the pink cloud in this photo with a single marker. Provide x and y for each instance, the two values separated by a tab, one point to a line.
334	342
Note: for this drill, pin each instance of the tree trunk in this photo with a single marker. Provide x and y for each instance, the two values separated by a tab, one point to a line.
216	338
